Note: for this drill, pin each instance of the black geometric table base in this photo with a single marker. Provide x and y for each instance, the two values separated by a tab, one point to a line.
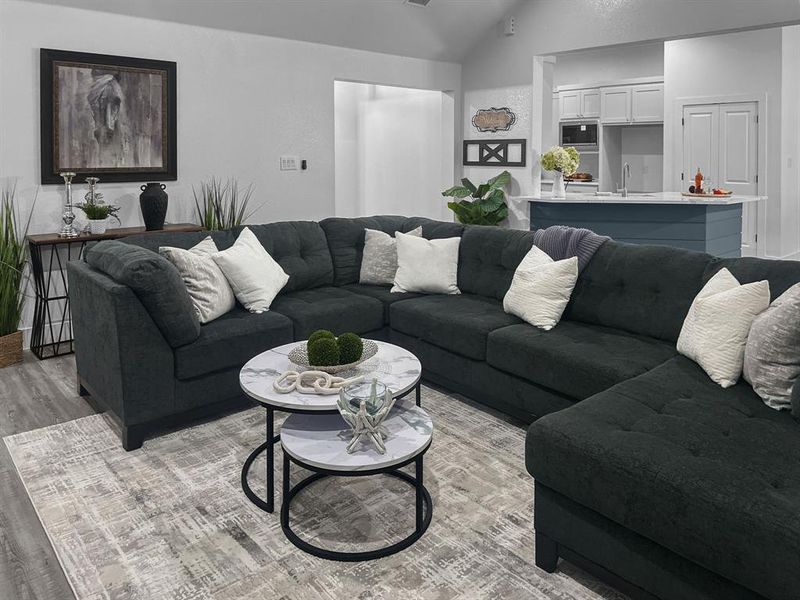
424	508
268	504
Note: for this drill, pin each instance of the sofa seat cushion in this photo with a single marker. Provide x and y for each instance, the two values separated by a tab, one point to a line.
230	341
710	473
382	293
330	308
459	323
573	358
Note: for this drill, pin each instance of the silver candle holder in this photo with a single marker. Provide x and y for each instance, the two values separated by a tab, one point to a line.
67	217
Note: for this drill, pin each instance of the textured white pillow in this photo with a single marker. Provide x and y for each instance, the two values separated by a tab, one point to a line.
715	330
253	274
541	288
210	292
379	261
428	266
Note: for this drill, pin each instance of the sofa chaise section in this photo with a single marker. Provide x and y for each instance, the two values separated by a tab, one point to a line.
710	474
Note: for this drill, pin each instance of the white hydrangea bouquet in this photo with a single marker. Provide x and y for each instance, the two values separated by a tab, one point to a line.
565	162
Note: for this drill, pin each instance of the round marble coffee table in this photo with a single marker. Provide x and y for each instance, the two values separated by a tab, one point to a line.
395	367
318	443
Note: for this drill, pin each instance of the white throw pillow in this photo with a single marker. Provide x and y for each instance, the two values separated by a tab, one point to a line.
428	266
715	330
541	288
253	274
379	261
210	292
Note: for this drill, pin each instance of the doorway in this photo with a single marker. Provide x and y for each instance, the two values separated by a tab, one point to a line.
394	150
721	139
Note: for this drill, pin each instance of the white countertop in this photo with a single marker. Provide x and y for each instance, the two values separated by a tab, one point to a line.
649	198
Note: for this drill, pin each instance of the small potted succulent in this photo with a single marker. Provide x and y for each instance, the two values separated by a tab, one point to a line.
564	161
96	210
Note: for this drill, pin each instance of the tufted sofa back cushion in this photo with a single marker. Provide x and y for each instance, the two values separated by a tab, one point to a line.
346	238
641	289
488	258
301	249
181	239
781	274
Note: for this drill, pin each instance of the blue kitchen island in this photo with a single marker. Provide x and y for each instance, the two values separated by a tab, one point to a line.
712	225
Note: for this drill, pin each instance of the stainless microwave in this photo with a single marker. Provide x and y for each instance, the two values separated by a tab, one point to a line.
581	134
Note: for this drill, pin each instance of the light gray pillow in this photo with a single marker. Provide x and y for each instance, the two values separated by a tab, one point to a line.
772	353
379	263
210	292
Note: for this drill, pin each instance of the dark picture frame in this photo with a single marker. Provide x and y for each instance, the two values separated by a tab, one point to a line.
104	90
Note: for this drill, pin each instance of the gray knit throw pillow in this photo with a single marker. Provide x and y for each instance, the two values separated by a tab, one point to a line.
379	262
772	354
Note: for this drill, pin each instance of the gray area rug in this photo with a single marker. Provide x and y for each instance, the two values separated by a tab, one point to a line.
171	521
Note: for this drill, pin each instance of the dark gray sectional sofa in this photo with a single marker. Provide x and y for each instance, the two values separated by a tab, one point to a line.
647	473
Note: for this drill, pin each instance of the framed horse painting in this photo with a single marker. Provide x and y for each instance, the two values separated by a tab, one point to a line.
112	117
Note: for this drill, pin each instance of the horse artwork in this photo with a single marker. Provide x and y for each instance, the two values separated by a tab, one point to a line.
107	116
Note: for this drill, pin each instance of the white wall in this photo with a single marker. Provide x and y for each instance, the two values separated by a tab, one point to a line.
790	142
243	100
610	64
552	26
730	65
394	154
518	99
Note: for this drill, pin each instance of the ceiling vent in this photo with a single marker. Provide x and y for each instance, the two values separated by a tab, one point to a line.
419	3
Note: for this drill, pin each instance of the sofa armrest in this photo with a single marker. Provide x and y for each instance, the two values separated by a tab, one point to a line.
121	356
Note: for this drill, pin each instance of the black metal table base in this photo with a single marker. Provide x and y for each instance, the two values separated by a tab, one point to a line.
423	508
268	504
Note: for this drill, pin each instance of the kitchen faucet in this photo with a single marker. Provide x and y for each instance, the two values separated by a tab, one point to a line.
626	175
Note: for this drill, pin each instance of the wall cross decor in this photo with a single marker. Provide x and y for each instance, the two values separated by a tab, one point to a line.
501	153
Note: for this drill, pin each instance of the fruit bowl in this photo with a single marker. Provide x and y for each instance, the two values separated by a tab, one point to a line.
299	356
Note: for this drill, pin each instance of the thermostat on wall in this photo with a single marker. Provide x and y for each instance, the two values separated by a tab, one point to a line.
290	163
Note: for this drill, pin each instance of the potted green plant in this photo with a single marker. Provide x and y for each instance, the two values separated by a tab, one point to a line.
98	214
488	204
13	260
222	205
564	161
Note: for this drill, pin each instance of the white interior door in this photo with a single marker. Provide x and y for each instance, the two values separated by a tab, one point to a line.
738	162
722	140
700	143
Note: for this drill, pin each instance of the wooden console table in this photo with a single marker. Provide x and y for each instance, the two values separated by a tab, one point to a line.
54	302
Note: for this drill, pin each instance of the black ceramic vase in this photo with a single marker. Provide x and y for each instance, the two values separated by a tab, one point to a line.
153	202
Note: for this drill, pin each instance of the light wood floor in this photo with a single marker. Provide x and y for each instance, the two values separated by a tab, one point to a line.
33	394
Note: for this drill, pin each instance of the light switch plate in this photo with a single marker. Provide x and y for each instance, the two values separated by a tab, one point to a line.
290	163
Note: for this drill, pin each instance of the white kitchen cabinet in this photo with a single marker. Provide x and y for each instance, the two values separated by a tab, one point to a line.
579	104
615	105
590	104
647	103
569	105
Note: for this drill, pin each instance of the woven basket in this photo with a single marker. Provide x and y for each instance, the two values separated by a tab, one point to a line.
10	349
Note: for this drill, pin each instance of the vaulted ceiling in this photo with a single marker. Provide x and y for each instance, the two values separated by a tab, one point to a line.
444	30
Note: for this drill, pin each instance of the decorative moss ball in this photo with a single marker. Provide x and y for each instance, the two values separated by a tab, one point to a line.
350	348
319	334
323	352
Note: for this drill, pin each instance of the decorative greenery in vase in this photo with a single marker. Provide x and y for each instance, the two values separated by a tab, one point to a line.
13	260
222	205
99	211
565	160
488	204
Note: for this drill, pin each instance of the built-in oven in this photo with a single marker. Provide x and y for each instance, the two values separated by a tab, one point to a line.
582	135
